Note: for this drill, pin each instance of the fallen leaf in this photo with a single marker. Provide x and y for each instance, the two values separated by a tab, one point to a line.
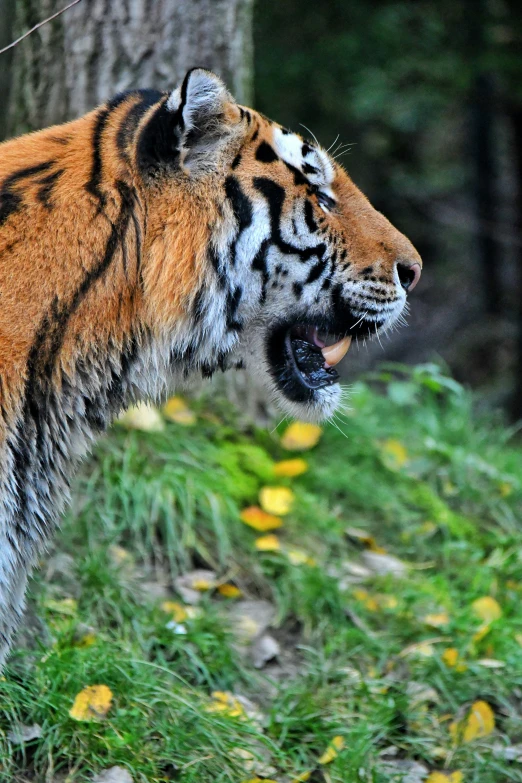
264	649
479	722
482	632
393	454
67	606
113	775
226	703
298	557
142	417
178	611
255	517
229	591
92	703
177	410
20	733
487	609
404	771
258	763
450	656
250	619
268	543
420	693
300	436
436	620
276	500
119	555
508	752
445	777
191	585
290	468
384	564
332	751
424	648
365	539
491	663
87	640
505	489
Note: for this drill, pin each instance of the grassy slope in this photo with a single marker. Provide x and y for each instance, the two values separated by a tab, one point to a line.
451	511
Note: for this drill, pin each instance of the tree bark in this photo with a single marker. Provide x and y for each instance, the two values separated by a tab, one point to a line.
6	36
100	47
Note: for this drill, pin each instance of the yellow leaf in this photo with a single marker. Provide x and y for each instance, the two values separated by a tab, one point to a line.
142	417
92	703
289	468
332	751
445	777
226	702
505	489
268	543
229	591
450	656
518	638
487	608
87	640
67	606
387	601
178	411
479	722
202	585
482	632
302	778
276	500
258	519
393	454
178	611
297	557
436	620
365	538
300	436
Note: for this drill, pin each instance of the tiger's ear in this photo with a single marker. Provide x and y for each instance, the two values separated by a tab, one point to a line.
207	117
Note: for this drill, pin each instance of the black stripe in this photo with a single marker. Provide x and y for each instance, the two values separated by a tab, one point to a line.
265	153
129	124
259	264
275	196
242	209
46	189
316	271
299	177
309	216
42	358
93	185
214	260
233	300
10	201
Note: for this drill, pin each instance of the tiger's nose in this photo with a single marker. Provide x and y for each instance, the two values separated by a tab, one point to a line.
409	275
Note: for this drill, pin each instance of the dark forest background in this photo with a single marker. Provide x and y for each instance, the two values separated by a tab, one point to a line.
428	94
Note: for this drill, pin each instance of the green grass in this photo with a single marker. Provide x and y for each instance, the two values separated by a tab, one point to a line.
450	508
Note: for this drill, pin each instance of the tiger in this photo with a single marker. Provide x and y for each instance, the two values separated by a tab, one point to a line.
162	237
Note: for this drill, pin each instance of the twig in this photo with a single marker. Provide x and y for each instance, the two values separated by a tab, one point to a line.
37	26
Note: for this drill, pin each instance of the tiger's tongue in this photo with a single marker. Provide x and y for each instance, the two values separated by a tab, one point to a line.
333	354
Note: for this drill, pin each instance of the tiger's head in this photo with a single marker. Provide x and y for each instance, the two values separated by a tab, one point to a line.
285	260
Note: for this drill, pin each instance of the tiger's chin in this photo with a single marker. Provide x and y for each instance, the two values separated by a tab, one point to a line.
299	359
296	363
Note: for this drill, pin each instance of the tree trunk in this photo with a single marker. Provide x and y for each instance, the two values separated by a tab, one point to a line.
6	36
100	47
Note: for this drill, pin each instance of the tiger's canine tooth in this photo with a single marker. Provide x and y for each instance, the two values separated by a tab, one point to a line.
334	353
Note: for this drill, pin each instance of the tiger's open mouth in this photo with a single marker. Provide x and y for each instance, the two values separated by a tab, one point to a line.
302	359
